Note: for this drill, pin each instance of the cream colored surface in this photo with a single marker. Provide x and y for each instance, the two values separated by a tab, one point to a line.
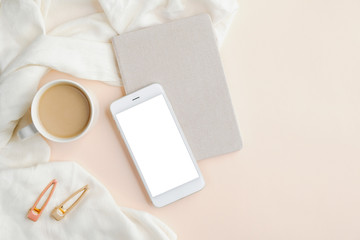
293	72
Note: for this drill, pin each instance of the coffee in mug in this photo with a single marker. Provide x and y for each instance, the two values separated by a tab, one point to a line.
61	111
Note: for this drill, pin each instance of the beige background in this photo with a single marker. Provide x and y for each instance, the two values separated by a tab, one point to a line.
293	72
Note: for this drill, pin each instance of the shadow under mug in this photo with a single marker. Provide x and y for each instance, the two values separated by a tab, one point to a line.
37	127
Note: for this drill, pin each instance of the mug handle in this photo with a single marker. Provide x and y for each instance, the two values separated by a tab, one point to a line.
27	131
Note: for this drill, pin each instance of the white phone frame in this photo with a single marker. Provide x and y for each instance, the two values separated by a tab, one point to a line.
134	99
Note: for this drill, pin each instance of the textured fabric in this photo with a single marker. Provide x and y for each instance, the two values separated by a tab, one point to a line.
96	216
80	47
182	56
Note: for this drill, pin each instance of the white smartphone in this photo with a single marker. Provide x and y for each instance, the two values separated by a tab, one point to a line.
157	145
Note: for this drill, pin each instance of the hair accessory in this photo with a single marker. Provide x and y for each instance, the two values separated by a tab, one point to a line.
34	212
59	212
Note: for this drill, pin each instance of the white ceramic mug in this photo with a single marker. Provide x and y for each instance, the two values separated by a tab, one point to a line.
37	127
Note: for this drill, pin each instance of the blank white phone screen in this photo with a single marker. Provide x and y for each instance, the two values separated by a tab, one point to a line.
157	145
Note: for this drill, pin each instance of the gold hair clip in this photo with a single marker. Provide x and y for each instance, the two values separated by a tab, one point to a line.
59	212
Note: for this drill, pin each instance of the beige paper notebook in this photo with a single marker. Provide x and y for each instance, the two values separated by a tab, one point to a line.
183	57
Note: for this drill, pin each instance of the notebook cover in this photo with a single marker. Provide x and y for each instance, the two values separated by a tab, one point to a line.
183	57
